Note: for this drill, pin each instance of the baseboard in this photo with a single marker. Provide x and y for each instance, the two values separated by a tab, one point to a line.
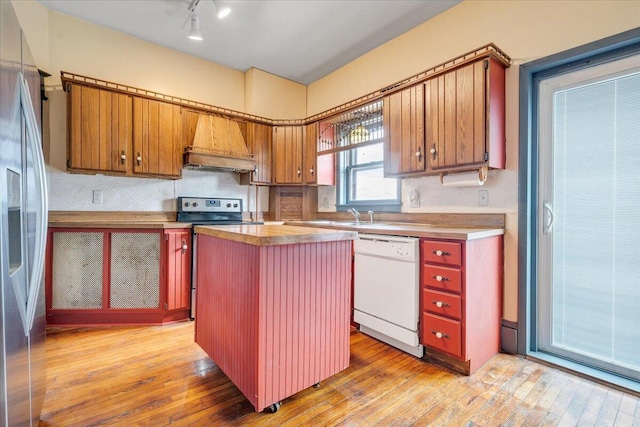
509	337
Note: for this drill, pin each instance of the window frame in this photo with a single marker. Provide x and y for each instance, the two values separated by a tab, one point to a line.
346	164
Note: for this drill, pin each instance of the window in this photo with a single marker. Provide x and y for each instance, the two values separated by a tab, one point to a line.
357	138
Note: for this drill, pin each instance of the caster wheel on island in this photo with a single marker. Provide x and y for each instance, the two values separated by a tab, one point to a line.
274	408
316	385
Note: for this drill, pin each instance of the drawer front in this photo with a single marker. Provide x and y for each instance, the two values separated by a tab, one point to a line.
442	334
442	252
441	303
444	278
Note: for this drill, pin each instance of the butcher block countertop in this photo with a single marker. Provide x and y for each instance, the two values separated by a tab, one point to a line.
407	229
117	219
274	234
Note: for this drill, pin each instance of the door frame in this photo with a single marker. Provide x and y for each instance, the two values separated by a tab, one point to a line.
595	53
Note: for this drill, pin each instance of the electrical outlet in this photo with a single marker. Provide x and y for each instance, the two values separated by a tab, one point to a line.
483	197
97	197
325	202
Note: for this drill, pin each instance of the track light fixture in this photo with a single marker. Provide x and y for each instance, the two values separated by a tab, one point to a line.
222	10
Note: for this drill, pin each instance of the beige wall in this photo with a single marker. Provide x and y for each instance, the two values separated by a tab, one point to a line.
525	30
34	20
83	48
267	95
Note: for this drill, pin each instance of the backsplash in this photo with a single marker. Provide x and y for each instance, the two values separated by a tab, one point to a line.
74	192
432	196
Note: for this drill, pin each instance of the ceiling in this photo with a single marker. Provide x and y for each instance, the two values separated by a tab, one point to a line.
301	40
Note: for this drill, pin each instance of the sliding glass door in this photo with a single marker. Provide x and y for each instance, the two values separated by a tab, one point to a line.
588	306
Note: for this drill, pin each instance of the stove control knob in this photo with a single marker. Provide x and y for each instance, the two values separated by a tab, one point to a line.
195	204
186	204
228	205
235	205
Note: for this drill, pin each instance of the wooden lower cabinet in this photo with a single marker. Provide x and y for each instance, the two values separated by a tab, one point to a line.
461	289
117	276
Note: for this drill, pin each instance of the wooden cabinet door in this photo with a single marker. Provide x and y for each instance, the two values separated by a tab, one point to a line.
178	269
99	129
403	116
259	143
318	169
309	151
157	138
461	133
287	154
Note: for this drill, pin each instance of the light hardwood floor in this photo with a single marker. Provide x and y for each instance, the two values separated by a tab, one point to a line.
157	376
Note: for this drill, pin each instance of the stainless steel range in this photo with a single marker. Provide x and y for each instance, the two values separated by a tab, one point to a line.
207	211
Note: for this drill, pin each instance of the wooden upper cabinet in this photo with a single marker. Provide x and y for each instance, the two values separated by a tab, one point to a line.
121	134
464	111
287	154
404	139
260	144
99	126
157	138
318	169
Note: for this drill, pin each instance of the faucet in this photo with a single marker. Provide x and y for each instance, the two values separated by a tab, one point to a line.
355	213
371	216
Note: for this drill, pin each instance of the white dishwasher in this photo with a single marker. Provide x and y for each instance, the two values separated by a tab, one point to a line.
386	290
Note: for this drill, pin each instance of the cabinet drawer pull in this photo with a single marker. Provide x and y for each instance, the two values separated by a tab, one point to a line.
439	335
441	278
440	304
441	253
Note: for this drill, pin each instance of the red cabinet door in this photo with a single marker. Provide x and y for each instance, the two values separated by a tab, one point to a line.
178	243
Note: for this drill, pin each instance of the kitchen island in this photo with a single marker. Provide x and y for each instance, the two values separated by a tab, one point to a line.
273	306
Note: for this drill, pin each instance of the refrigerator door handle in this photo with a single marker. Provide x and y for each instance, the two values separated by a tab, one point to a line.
34	139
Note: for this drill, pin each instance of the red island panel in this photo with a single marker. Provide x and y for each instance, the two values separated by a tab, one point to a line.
275	319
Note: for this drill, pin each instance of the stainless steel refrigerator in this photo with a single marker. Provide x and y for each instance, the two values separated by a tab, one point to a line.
23	221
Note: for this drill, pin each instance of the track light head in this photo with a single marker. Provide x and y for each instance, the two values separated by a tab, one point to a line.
221	9
194	32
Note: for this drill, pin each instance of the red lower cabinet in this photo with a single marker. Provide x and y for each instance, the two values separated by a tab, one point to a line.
461	301
117	276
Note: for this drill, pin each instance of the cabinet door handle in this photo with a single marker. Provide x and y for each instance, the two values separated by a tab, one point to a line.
419	154
299	171
433	151
439	335
139	159
441	278
311	171
440	304
441	253
184	247
123	157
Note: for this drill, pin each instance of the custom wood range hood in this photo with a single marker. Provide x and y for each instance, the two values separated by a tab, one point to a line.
218	144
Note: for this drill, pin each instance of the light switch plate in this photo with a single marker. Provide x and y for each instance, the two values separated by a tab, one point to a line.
414	199
483	197
97	197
